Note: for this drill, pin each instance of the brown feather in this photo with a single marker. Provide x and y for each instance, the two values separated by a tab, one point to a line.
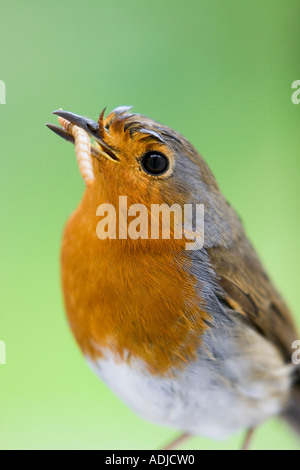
249	291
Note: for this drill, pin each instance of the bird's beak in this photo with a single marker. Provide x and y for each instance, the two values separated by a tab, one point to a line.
89	126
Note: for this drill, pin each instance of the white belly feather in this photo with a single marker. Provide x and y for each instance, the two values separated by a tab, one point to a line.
226	389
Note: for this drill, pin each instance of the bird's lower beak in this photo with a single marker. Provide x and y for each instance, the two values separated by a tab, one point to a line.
90	127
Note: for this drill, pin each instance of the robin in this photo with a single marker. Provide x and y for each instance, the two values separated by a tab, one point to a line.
194	339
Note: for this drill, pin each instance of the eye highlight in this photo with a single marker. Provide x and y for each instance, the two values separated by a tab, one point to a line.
155	163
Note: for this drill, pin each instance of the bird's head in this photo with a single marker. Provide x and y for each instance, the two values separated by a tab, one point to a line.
149	163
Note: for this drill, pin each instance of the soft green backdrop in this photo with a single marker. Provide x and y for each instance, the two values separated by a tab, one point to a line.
218	72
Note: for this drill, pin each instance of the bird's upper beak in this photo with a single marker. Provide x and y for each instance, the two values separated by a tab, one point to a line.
89	126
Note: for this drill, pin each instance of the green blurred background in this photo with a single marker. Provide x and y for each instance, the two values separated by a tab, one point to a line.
218	72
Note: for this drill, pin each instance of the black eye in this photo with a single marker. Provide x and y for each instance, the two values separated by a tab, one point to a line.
154	163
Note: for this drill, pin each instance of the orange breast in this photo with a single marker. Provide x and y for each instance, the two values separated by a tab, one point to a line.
136	301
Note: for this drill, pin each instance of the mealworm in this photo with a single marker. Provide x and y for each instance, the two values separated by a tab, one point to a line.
82	150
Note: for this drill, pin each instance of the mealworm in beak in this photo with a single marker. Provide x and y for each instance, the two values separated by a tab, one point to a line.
82	150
